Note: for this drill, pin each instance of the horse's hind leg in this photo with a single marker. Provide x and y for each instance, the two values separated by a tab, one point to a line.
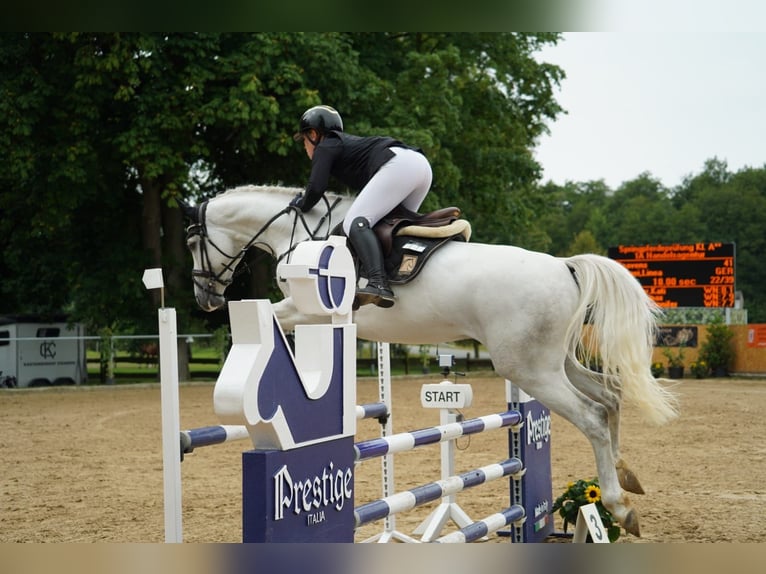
593	385
592	419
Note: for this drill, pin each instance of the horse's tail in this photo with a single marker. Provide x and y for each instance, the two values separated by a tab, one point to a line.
622	321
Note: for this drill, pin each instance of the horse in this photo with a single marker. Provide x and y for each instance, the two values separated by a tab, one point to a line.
149	353
540	317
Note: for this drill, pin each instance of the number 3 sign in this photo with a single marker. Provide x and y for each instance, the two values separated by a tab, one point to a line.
590	522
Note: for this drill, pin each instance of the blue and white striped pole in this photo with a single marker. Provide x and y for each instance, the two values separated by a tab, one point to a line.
408	440
218	434
407	500
208	436
488	525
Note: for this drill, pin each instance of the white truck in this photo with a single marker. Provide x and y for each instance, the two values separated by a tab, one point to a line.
36	353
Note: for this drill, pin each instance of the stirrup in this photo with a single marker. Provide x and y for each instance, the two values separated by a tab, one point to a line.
380	296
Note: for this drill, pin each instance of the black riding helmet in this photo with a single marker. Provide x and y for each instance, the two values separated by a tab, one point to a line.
319	118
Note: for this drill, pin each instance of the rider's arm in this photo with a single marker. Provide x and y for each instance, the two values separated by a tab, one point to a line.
325	155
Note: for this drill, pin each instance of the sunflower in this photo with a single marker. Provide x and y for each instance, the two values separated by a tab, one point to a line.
593	493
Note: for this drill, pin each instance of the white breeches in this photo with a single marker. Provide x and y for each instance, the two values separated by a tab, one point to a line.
405	179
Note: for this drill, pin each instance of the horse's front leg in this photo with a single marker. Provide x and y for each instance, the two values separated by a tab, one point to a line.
289	316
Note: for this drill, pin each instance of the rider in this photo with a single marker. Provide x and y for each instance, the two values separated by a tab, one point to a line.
385	172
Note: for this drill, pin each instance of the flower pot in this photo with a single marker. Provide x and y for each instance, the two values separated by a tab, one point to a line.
676	372
720	372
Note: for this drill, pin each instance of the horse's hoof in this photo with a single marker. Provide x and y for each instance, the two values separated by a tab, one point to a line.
628	480
630	524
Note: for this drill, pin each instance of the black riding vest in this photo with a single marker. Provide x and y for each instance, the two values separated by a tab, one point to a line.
353	160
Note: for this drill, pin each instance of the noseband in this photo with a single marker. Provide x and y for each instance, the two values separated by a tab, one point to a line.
205	279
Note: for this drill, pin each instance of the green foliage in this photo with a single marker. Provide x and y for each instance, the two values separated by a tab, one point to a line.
475	103
714	205
102	133
221	343
717	350
584	242
674	355
699	369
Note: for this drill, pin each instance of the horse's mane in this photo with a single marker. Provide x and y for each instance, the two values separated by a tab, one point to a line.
272	189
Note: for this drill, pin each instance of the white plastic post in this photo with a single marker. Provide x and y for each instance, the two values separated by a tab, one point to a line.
448	509
171	424
387	461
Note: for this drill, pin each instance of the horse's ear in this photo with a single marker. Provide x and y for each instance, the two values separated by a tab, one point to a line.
191	212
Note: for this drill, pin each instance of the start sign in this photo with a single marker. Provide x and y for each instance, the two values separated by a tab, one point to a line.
446	395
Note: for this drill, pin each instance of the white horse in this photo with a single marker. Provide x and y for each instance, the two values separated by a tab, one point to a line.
527	308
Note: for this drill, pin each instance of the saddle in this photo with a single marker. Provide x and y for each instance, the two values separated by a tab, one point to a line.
408	239
434	224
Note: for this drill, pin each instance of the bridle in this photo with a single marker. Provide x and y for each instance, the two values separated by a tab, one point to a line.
205	279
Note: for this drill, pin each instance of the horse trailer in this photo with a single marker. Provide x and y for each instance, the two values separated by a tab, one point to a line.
36	353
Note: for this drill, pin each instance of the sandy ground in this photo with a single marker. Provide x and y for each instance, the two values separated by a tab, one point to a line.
85	464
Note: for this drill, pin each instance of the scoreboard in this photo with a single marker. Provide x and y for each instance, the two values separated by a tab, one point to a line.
682	275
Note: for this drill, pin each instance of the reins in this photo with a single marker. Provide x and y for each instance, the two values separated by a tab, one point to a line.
313	235
200	229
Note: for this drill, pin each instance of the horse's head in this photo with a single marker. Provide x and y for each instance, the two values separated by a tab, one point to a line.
215	256
222	230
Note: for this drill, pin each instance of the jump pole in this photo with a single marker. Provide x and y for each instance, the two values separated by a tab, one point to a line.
171	424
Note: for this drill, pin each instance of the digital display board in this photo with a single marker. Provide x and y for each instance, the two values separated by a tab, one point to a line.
682	275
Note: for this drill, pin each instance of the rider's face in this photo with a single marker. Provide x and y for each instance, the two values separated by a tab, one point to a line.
308	137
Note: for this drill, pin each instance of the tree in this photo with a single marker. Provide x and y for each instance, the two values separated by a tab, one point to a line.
584	242
118	127
60	181
732	213
714	205
475	102
640	212
571	209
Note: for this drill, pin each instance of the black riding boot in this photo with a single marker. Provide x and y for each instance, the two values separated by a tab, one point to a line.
367	248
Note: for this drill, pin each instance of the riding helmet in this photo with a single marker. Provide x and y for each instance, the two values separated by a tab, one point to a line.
320	118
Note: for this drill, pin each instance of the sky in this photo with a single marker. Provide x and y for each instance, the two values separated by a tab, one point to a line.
656	101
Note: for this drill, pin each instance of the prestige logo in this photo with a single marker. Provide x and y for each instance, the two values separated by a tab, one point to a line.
538	429
312	495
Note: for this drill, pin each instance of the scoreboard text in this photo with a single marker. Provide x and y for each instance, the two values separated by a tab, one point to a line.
681	275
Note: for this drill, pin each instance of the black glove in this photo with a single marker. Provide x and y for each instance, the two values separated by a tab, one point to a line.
297	201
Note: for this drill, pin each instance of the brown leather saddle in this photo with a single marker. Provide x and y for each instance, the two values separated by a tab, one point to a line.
408	239
401	220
